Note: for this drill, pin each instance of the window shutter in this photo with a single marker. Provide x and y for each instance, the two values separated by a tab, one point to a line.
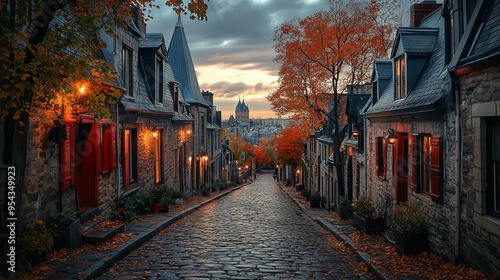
112	158
126	158
413	163
384	153
436	169
95	138
67	158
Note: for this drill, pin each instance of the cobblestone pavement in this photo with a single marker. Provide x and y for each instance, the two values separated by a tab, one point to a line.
255	232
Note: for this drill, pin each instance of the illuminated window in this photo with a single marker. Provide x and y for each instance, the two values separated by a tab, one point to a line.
400	78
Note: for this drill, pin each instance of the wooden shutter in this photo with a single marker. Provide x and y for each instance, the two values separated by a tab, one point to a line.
95	136
436	169
112	153
413	163
67	157
126	158
106	149
384	154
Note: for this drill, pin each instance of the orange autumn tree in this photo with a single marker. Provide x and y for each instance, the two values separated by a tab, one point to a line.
321	55
264	153
49	47
290	146
242	150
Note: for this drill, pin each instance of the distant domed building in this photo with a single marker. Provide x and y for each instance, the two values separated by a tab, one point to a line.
242	112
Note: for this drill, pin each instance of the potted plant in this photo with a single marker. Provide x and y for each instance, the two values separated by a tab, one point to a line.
345	208
408	223
156	195
67	230
314	200
365	218
177	196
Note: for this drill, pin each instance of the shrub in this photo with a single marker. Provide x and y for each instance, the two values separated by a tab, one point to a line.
409	219
306	193
37	243
345	203
364	208
61	220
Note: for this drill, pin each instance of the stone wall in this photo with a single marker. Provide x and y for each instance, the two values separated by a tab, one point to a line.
480	232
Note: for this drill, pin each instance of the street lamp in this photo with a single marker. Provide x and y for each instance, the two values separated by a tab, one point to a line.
391	137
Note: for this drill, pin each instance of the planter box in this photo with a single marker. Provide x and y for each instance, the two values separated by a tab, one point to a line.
69	237
368	225
314	202
411	244
178	201
345	213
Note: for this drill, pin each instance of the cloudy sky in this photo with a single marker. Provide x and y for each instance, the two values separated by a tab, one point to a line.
233	51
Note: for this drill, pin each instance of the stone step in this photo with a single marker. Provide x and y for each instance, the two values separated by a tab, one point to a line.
89	214
94	236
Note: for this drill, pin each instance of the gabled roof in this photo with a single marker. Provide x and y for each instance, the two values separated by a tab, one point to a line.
433	83
153	41
414	41
382	70
480	44
182	65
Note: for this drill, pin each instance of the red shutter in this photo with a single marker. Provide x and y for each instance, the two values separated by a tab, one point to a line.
436	168
384	154
67	158
412	158
105	149
112	147
95	138
126	158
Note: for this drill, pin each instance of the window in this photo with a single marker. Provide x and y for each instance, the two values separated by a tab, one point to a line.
174	89
158	153
127	73
493	168
381	157
129	157
108	147
400	78
427	172
159	80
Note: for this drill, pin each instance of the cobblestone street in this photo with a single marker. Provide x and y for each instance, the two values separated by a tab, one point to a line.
253	233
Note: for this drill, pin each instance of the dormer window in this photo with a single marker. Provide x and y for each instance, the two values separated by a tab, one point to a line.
174	89
400	78
159	80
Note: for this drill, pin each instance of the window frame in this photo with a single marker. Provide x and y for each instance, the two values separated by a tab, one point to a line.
159	79
400	78
130	157
493	182
127	70
381	156
434	154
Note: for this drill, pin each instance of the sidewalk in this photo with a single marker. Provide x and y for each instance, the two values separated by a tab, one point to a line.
89	261
379	255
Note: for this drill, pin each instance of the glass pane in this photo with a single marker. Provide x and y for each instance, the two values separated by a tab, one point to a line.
495	141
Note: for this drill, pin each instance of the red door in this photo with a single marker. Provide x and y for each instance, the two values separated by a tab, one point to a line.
402	168
86	166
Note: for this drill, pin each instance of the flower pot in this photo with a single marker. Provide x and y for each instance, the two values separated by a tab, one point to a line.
69	237
164	209
314	202
368	225
178	201
345	213
156	207
411	244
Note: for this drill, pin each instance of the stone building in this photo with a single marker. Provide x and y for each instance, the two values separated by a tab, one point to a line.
431	128
475	69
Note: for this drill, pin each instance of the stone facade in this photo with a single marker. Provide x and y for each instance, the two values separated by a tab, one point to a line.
480	231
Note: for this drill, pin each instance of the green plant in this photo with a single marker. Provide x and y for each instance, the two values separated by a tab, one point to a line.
306	193
37	243
364	208
61	220
345	203
157	193
408	218
315	195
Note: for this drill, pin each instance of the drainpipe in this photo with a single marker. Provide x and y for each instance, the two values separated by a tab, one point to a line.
458	165
365	151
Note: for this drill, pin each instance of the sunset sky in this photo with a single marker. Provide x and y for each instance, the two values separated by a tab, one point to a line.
233	51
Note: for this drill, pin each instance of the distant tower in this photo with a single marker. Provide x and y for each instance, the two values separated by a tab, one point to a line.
242	112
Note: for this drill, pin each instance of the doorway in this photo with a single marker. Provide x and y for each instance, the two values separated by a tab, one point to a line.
402	168
86	164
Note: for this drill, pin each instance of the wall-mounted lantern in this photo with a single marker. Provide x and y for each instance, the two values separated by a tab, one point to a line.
155	132
355	133
391	137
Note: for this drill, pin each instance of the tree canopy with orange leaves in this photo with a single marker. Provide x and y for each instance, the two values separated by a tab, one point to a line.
321	54
290	145
264	153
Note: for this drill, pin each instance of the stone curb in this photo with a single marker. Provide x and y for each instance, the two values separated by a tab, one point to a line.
362	256
97	268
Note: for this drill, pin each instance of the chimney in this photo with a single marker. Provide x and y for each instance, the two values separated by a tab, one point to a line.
138	17
420	10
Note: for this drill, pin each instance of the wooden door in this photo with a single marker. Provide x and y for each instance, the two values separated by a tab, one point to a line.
87	160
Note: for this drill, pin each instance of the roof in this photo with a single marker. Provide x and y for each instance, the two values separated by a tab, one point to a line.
153	41
433	81
182	66
480	44
414	40
382	70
